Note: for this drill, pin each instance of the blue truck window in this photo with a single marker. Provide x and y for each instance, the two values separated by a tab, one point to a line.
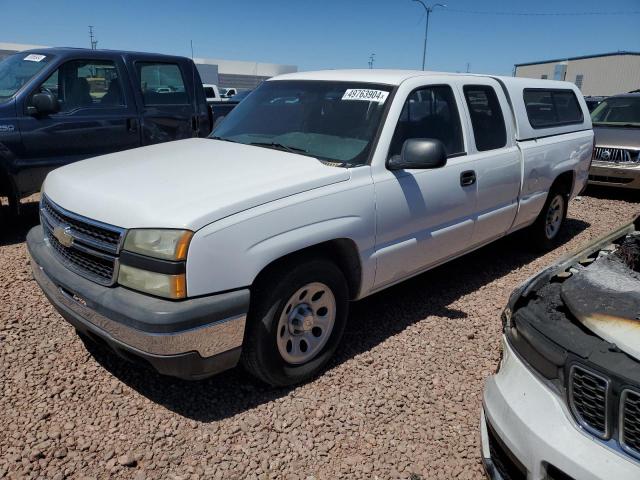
85	84
162	84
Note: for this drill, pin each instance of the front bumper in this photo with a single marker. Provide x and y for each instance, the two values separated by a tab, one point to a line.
190	339
537	433
612	175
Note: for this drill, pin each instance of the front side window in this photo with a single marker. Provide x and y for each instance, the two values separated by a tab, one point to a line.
430	113
332	121
16	70
486	117
552	108
162	84
618	111
85	84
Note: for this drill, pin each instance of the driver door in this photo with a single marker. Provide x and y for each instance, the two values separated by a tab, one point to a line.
425	217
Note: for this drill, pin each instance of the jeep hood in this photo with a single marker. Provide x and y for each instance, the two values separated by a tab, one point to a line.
184	184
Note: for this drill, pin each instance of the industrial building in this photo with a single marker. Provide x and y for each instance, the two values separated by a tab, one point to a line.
224	73
604	74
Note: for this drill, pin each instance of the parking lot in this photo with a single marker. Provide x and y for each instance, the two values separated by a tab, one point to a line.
401	400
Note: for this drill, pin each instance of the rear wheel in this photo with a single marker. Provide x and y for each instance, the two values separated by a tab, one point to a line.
296	322
547	227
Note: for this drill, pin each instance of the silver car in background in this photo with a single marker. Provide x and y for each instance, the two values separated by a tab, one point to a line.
616	156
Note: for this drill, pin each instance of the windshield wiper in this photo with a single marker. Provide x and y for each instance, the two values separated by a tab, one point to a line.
279	146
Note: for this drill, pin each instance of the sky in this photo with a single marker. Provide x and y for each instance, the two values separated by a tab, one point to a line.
321	34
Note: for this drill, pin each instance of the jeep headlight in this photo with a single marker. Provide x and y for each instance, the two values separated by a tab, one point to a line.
164	244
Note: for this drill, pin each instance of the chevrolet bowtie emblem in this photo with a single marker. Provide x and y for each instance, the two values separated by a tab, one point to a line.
63	236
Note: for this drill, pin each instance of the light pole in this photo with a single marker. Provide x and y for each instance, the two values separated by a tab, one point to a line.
428	9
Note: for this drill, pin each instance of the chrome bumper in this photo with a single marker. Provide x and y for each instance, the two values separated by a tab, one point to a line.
208	340
612	175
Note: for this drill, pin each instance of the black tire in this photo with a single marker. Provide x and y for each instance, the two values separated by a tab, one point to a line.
260	354
542	238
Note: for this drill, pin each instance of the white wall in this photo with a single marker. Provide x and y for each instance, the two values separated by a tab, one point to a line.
607	75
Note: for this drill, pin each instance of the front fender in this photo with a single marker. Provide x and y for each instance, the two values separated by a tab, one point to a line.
231	252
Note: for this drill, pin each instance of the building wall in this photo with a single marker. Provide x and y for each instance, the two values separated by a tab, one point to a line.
536	71
606	75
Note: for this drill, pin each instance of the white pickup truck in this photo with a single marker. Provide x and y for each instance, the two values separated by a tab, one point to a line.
318	189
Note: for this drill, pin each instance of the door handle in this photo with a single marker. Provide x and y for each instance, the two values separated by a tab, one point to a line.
467	178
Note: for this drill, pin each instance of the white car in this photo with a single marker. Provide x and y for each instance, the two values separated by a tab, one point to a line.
565	402
228	92
318	189
211	92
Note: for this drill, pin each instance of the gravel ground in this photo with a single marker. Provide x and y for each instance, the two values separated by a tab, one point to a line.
401	400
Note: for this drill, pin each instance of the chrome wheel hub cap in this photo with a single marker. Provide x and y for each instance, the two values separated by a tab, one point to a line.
554	217
306	323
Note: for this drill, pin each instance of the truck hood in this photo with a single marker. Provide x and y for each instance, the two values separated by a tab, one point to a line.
617	137
184	184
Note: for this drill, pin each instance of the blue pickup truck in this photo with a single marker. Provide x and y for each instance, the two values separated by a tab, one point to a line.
60	105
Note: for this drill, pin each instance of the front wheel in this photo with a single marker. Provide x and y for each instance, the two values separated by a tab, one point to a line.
547	227
296	322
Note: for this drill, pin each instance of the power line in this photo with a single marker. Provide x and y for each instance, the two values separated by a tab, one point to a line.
540	14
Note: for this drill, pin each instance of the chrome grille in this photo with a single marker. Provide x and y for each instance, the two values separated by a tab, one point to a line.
616	155
630	421
588	399
90	248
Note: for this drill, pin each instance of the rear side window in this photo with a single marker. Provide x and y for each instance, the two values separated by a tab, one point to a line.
552	108
430	113
486	117
162	84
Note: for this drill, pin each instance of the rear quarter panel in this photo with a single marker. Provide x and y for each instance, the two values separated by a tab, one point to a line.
548	152
544	159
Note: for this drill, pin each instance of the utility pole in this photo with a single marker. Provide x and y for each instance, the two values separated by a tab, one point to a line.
428	9
94	42
468	66
372	58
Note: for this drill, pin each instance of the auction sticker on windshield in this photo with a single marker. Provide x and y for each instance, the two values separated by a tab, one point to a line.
33	57
365	94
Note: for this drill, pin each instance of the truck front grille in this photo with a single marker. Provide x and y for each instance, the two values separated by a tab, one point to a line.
616	155
588	399
85	246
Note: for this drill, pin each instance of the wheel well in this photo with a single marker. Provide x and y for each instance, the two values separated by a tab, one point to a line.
564	182
342	251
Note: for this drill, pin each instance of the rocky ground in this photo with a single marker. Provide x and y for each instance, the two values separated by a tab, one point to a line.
401	400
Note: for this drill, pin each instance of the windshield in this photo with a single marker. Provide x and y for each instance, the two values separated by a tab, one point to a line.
17	70
620	111
334	121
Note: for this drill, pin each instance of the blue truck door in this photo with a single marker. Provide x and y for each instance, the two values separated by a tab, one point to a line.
97	115
167	100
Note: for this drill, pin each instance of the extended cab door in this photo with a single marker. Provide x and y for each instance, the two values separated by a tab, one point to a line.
97	115
423	216
496	157
169	100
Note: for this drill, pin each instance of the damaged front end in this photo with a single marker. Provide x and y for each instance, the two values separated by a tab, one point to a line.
577	325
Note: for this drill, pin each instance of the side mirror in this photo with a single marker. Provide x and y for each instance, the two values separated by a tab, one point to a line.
419	153
44	103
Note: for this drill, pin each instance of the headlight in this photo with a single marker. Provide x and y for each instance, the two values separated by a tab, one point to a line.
163	244
160	284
